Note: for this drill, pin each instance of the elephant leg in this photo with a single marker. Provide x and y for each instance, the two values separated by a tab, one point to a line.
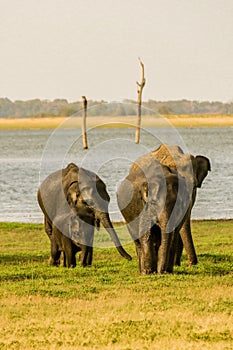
64	259
48	228
186	235
89	256
55	253
90	239
148	256
156	235
85	255
173	250
69	254
139	253
178	252
54	259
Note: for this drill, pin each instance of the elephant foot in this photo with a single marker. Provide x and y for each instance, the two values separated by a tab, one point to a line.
192	262
53	262
165	273
169	271
148	272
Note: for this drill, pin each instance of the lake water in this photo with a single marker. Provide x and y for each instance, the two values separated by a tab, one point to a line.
28	156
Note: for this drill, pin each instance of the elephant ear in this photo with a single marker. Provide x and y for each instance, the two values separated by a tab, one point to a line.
202	168
69	176
73	194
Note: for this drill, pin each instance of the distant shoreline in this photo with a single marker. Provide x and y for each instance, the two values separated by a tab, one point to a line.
189	121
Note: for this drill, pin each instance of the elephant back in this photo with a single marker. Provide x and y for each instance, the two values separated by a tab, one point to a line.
174	158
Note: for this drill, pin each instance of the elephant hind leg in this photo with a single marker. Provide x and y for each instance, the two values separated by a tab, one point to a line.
186	235
48	227
54	259
173	250
89	256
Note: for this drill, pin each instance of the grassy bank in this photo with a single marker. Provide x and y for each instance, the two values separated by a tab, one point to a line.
207	120
109	306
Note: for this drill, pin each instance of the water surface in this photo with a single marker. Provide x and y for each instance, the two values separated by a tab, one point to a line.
28	156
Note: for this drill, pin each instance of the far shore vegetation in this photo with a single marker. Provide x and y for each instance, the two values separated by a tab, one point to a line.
181	120
62	107
109	305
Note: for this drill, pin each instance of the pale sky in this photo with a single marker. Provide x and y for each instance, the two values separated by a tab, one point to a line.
68	48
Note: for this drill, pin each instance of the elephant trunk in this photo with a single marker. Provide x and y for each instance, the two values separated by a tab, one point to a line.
148	258
107	224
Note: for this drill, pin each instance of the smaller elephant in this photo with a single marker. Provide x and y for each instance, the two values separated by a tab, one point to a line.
75	191
70	235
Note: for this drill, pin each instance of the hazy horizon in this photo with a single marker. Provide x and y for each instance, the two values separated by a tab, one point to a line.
113	101
57	49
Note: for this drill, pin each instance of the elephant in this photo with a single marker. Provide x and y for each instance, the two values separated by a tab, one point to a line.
70	235
153	200
194	169
75	191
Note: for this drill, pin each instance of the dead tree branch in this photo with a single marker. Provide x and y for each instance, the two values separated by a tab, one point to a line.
140	87
84	132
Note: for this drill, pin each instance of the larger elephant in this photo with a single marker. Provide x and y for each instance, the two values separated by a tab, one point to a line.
76	191
194	169
153	199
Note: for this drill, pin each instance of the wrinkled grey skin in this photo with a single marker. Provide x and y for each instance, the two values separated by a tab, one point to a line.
76	191
154	209
70	235
194	170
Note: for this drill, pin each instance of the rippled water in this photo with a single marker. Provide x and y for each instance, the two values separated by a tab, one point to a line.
27	156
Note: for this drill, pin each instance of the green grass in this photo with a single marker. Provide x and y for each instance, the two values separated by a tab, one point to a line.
109	305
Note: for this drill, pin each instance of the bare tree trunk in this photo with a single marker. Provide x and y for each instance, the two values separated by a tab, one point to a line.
140	87
84	133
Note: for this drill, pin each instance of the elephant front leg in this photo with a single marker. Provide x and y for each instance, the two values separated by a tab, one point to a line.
86	255
148	255
69	253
